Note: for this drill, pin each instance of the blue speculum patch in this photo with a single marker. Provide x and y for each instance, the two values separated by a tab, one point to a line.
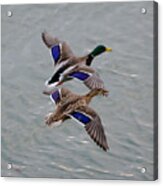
56	53
55	96
81	117
79	75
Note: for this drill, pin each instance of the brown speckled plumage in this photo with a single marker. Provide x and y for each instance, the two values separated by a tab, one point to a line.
71	102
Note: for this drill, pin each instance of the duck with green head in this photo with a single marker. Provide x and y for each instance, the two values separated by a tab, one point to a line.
97	51
65	61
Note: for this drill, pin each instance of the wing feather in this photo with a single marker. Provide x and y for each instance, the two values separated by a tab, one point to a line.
92	125
55	96
49	40
94	81
87	75
60	95
60	50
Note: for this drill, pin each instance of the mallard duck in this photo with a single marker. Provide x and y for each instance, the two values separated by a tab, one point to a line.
73	106
64	59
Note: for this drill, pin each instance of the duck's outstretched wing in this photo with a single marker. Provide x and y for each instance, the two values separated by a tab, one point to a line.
92	123
87	75
60	50
59	95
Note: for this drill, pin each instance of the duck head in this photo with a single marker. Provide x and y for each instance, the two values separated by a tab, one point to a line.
99	50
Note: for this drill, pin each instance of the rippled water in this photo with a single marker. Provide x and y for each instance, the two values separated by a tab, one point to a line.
67	151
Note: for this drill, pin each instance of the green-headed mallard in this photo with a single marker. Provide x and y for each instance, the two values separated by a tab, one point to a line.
65	60
70	105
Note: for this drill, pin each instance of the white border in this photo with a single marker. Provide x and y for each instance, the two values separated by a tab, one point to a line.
61	1
63	182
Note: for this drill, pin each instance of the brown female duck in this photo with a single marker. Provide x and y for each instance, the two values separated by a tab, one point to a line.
70	105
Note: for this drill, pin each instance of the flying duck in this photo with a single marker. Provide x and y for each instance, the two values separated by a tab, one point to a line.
73	106
65	60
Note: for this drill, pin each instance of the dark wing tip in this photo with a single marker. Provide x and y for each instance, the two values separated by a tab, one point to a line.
92	124
44	38
43	33
98	135
49	40
46	92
